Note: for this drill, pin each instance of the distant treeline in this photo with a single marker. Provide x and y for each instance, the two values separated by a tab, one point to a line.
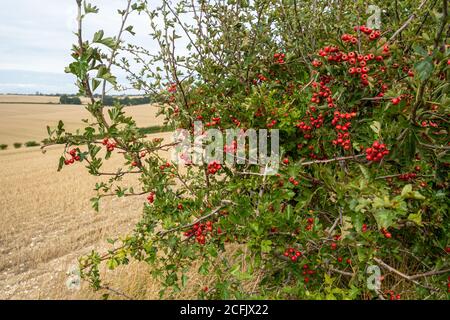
65	99
108	101
126	101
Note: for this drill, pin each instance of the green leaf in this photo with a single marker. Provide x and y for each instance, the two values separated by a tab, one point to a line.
95	84
184	280
130	30
88	8
408	193
418	49
266	246
385	218
416	218
61	163
95	203
103	73
424	68
98	36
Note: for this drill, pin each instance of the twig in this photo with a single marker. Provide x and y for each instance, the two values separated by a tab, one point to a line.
411	18
404	276
212	213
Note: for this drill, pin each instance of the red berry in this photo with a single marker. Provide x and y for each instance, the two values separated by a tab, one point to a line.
395	101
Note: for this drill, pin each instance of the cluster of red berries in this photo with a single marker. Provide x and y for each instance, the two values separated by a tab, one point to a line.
358	62
314	123
201	230
293	181
292	254
307	271
279	57
135	163
331	52
383	89
271	124
425	124
235	121
323	93
342	124
376	152
364	228
407	176
373	34
151	197
213	167
309	224
386	233
215	121
392	295
74	157
262	78
172	88
348	261
110	146
164	166
349	38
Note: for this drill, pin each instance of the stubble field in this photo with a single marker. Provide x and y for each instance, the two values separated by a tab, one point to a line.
46	219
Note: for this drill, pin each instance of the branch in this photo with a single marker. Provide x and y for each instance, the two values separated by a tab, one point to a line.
114	51
411	18
444	23
404	276
308	163
212	213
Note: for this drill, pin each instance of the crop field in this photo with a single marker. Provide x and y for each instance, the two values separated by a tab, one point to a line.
46	218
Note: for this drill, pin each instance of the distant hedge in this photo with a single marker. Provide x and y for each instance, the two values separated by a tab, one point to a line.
126	101
31	144
3	146
17	145
65	99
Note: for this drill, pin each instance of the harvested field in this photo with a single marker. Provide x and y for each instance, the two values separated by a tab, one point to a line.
46	217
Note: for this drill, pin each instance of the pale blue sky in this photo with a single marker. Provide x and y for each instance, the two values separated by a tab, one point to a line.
36	37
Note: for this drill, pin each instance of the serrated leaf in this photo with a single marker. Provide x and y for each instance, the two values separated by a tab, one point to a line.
130	30
418	49
424	68
385	218
416	218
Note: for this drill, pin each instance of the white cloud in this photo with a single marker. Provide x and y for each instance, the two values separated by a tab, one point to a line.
37	36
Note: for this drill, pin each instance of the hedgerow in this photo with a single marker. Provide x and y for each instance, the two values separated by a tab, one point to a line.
363	119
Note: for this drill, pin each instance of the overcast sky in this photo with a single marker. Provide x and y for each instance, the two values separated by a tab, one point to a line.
36	37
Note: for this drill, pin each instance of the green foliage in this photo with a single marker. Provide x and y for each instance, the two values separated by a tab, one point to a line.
261	65
3	146
17	145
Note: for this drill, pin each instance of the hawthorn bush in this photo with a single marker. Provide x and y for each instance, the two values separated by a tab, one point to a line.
363	117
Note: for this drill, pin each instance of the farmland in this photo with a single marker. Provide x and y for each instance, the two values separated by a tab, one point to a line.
46	218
